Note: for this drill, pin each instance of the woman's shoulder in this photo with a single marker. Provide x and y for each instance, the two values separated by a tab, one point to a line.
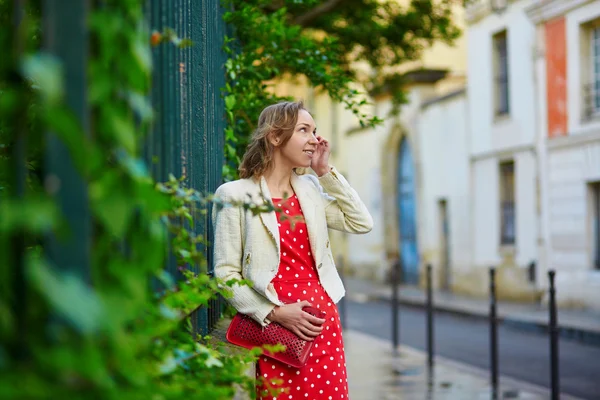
236	189
308	178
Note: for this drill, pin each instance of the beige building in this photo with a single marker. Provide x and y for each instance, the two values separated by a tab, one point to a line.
370	159
501	169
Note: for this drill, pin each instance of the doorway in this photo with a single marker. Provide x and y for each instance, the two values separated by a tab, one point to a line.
407	215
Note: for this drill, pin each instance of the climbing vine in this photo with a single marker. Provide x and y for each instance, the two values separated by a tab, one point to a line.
347	49
126	331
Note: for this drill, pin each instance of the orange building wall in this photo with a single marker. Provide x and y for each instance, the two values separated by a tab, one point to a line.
556	77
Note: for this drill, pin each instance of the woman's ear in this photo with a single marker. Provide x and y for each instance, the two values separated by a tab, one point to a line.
275	141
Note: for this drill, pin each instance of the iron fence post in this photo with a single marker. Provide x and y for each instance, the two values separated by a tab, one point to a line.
553	328
429	318
395	320
66	36
493	333
19	162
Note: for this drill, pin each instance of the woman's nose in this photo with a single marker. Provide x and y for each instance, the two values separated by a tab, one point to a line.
313	140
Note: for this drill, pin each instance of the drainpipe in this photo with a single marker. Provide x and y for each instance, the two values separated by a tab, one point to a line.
540	154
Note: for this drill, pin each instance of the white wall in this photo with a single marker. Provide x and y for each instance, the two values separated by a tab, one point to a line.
569	246
442	134
497	138
488	132
575	81
566	166
484	215
363	169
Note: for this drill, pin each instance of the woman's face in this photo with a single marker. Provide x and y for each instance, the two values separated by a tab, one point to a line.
299	150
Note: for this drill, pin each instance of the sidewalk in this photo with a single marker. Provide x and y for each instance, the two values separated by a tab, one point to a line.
583	326
375	372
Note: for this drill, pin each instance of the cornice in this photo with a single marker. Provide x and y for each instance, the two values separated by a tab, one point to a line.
546	10
477	11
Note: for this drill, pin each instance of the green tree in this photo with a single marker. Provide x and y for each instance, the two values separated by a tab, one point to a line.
323	40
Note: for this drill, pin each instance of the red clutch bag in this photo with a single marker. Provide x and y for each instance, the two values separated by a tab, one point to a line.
246	332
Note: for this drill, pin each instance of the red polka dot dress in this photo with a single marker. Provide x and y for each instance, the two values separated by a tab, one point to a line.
324	375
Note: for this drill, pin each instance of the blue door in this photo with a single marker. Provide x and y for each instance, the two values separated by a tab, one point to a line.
407	215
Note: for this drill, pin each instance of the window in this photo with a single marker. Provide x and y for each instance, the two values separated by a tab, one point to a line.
595	191
591	70
500	49
507	203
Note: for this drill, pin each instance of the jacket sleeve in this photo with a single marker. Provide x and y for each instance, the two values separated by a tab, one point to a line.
228	250
344	209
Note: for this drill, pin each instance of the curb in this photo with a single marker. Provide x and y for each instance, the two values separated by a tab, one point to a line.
577	334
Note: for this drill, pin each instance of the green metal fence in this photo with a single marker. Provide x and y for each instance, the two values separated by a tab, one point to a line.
188	139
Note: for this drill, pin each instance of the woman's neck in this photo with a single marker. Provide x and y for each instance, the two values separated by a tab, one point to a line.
279	182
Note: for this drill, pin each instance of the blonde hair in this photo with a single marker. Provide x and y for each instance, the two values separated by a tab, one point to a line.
275	121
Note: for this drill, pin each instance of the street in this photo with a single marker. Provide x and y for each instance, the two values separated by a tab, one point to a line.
522	355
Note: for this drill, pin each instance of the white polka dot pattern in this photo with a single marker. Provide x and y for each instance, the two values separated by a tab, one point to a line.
296	280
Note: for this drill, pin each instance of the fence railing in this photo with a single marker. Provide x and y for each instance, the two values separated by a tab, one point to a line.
187	138
188	135
591	101
553	327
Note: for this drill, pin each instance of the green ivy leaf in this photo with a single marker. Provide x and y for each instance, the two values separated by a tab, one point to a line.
35	215
123	129
46	74
230	102
168	365
112	204
71	298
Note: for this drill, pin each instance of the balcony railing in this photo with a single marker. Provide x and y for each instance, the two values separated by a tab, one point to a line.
591	101
507	228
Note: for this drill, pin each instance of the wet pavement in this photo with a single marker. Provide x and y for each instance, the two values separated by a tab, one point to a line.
376	373
579	325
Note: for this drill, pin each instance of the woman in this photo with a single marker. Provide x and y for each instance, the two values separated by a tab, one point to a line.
286	254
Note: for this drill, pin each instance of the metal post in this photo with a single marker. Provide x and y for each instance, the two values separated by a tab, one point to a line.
429	318
66	36
395	283
554	377
493	333
19	160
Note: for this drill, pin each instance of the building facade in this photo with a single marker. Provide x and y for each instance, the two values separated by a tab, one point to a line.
502	151
493	162
568	97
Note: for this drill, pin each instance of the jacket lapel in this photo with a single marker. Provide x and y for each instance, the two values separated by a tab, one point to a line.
269	220
308	204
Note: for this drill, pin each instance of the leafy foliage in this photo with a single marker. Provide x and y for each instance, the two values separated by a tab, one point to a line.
124	329
323	41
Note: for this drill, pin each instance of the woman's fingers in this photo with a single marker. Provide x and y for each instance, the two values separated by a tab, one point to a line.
314	320
312	329
304	303
307	332
303	324
301	335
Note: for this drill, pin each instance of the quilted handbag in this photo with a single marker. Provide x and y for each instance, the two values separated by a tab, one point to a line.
246	332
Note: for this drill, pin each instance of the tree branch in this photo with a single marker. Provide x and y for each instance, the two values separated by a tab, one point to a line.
306	18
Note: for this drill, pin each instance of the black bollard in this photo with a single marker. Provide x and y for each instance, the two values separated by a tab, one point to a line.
493	333
395	283
343	305
553	328
429	318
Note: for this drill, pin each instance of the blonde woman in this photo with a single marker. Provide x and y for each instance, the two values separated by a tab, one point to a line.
286	254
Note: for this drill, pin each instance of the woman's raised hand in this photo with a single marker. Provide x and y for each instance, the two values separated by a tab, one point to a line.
320	160
291	316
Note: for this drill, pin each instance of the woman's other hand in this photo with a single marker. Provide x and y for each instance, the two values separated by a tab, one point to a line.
291	316
320	159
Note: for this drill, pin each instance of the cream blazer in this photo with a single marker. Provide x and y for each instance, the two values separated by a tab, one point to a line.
248	247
